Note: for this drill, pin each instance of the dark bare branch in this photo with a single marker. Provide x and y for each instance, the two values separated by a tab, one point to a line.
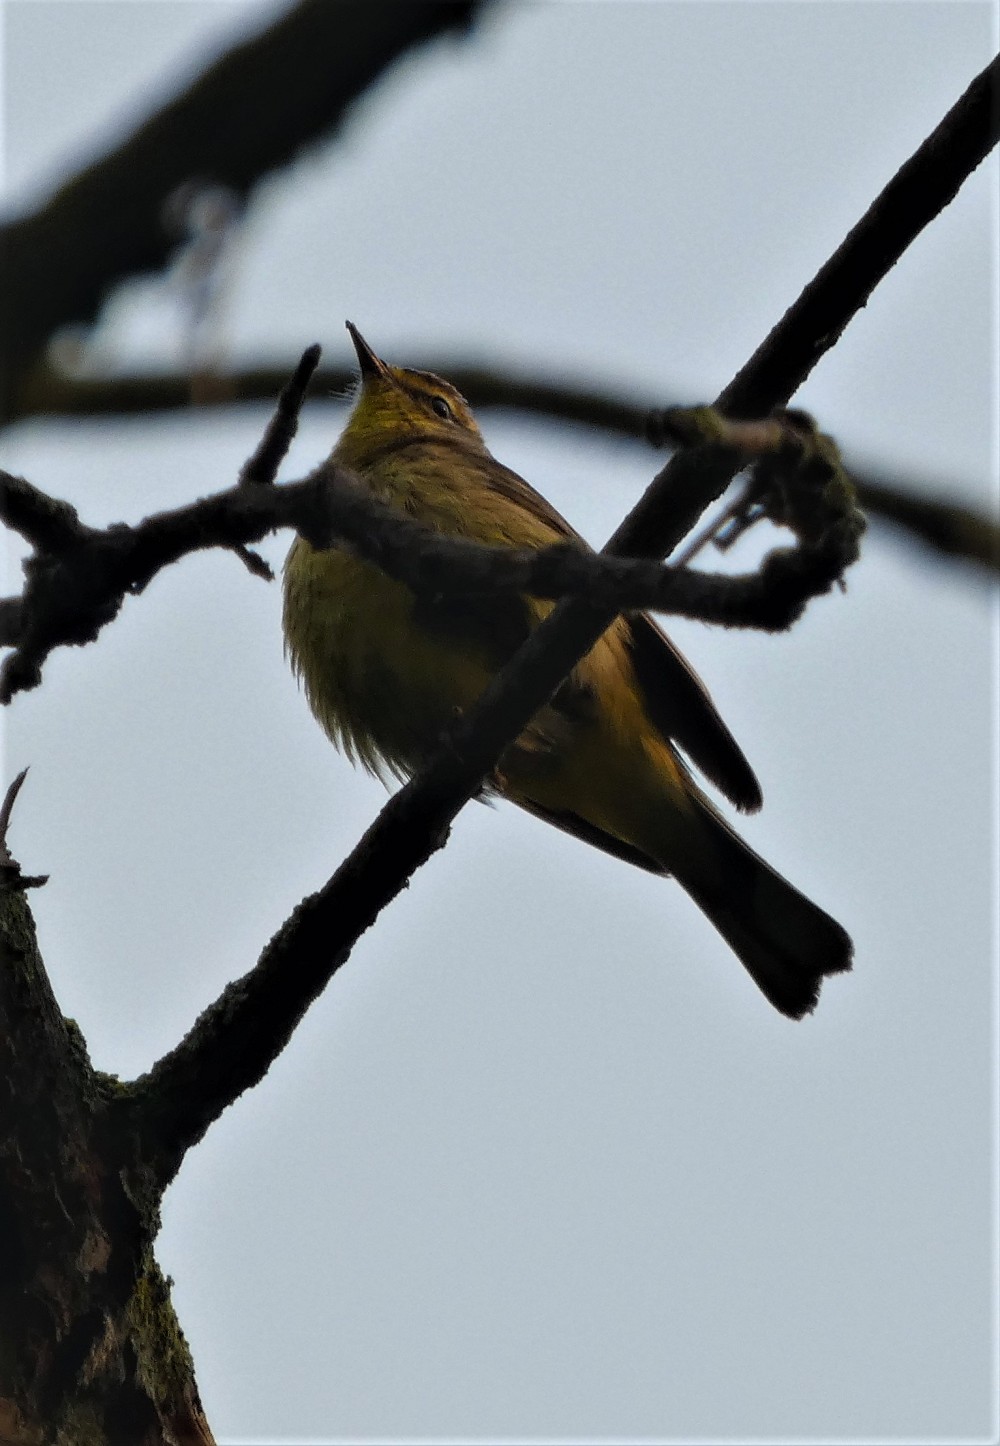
47	523
936	520
72	591
262	467
919	191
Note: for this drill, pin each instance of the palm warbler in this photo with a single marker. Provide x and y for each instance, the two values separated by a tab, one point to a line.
386	670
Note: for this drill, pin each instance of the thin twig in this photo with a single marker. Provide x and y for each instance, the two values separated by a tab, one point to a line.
708	533
261	468
10	870
5	812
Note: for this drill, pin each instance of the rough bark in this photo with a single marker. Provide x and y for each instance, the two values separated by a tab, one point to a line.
90	1348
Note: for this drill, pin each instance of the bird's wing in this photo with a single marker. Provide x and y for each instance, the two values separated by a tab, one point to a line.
679	704
515	489
677	700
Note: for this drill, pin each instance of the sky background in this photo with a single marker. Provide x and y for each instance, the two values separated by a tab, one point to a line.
541	1163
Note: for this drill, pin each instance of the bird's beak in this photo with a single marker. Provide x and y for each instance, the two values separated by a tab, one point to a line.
371	365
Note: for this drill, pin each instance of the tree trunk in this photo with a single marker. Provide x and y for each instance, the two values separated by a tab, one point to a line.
90	1348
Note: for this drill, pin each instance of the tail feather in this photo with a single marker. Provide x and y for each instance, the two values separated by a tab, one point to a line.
786	942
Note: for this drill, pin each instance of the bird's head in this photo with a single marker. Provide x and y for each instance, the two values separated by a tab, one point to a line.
397	403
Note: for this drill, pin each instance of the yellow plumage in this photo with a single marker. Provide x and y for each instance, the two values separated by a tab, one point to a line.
386	672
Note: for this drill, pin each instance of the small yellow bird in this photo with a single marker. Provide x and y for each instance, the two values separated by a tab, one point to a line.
385	672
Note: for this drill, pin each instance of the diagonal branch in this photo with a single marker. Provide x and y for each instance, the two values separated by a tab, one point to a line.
918	192
235	1040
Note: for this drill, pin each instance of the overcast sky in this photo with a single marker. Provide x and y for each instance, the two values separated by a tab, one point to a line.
541	1163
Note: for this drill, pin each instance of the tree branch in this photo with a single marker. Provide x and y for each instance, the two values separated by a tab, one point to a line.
235	1040
248	114
78	577
935	520
91	1346
941	524
262	468
918	192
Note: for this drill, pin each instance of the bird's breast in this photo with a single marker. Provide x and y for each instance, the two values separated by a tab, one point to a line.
383	685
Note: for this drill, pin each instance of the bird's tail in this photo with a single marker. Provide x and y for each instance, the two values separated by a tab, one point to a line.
786	942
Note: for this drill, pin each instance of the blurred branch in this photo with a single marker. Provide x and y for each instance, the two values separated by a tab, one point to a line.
60	261
250	112
935	519
945	526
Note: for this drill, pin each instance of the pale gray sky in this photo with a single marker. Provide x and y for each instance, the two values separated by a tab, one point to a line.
541	1163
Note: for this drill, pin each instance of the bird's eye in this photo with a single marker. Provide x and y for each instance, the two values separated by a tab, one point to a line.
441	407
